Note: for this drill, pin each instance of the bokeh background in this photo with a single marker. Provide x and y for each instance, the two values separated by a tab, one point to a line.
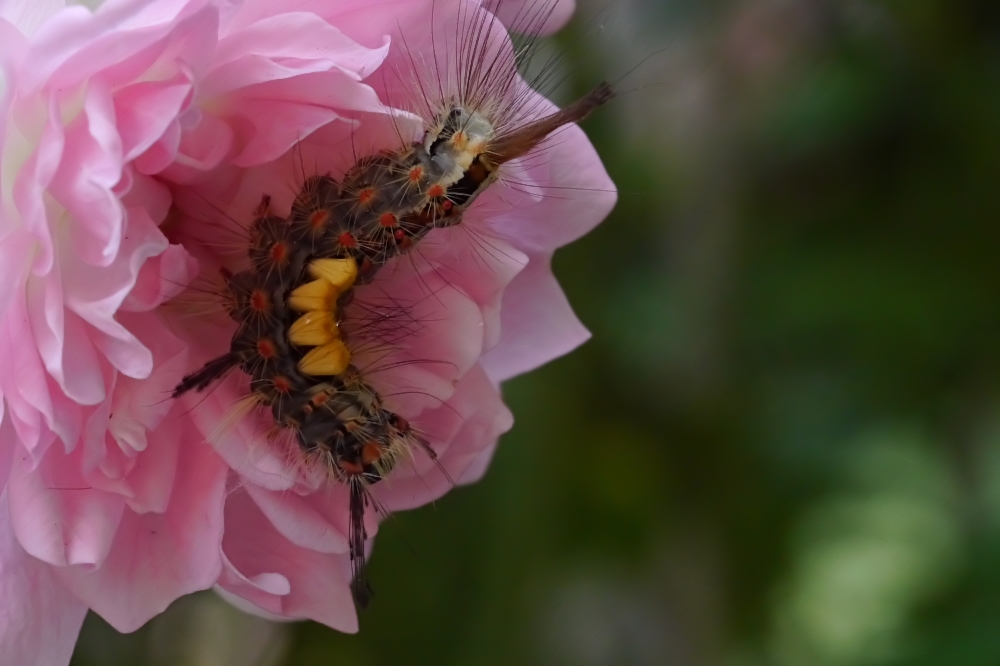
782	446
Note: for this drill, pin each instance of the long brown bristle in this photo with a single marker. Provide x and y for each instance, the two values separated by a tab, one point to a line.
360	589
521	141
201	379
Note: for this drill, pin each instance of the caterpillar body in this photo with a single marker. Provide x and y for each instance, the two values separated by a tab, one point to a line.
289	303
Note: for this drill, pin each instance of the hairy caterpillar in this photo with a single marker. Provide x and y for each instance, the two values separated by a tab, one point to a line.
304	267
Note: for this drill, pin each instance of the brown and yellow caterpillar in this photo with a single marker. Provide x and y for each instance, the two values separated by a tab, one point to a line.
289	303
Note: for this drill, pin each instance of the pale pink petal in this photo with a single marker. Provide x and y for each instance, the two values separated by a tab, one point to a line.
146	109
12	47
29	405
477	465
286	45
296	121
34	176
162	153
157	557
90	166
294	108
346	14
8	445
13	270
76	44
161	278
139	440
576	194
470	258
76	366
39	618
537	323
146	194
142	405
202	148
541	17
27	17
56	514
149	484
482	418
317	583
242	445
418	364
299	522
263	71
267	589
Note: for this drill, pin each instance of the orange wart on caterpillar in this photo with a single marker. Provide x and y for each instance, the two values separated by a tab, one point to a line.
378	306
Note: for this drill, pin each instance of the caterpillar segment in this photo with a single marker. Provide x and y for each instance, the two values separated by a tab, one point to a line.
288	307
302	271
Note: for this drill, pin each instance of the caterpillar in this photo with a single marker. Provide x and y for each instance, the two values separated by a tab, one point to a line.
304	268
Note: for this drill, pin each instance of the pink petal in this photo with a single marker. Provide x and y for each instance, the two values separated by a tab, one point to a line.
149	484
26	16
56	514
113	341
8	444
131	444
36	174
91	165
265	589
470	258
345	14
17	248
32	406
538	323
333	89
161	278
160	155
147	194
204	148
577	194
299	522
284	45
146	109
228	193
276	127
483	418
158	557
477	466
532	16
12	47
242	442
96	294
76	44
39	618
174	46
141	405
437	338
294	107
262	560
78	373
94	440
26	391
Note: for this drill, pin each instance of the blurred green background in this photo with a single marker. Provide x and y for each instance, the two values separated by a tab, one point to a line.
782	445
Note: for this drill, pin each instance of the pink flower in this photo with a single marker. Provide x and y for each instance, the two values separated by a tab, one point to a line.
111	499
